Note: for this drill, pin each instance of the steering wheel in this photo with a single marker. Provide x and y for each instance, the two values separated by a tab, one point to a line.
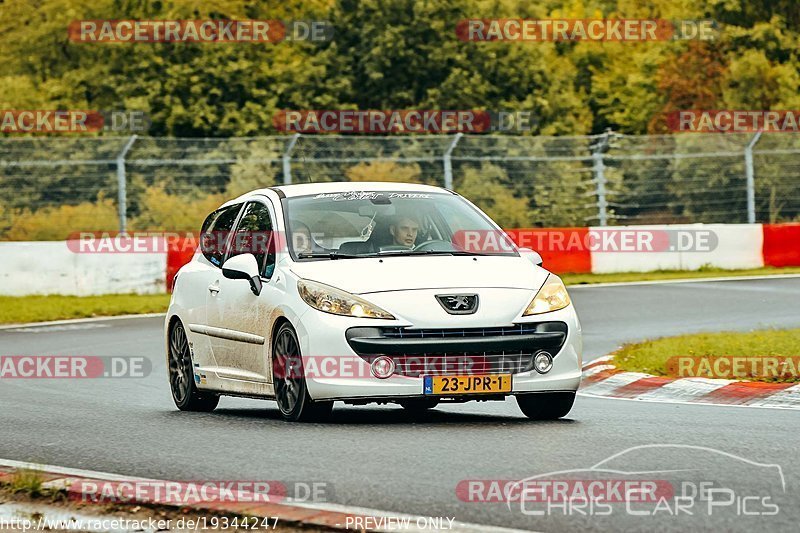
435	245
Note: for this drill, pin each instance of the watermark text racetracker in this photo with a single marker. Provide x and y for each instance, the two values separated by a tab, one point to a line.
592	240
734	367
376	121
471	369
626	30
113	242
197	492
73	367
733	121
199	31
71	121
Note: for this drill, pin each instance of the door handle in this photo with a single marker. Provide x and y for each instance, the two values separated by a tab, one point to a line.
214	287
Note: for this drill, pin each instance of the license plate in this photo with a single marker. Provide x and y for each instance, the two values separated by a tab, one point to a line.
446	385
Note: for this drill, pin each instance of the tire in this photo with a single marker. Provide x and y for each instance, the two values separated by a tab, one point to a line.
419	405
291	391
181	375
546	406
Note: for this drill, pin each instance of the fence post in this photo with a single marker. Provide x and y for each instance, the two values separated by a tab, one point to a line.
122	187
751	180
287	160
448	162
599	170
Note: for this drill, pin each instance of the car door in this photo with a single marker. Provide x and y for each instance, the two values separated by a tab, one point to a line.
197	278
238	319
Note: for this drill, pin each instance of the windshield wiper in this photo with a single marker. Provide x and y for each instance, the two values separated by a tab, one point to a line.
329	255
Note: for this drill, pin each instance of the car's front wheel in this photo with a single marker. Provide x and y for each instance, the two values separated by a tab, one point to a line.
291	391
546	405
181	375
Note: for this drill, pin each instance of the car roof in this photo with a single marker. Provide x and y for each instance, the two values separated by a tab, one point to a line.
304	189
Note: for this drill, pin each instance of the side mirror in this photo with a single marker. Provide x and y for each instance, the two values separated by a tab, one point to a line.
532	256
243	266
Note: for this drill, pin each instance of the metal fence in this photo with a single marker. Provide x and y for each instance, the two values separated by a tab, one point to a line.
49	186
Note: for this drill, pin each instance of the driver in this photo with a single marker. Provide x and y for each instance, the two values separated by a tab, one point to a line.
404	230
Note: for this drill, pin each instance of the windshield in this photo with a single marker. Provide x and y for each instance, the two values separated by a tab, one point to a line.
372	223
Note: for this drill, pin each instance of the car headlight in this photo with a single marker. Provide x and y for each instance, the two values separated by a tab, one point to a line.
338	302
551	297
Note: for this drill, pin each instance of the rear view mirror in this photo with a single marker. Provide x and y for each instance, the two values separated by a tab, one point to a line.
532	256
244	266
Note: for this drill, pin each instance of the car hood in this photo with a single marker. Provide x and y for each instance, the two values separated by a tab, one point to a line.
362	276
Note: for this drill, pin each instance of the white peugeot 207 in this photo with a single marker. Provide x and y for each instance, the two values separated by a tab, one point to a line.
367	292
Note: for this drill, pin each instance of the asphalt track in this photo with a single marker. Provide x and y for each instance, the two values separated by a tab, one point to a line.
378	457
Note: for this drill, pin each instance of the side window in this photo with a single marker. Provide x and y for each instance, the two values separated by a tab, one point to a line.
215	233
254	235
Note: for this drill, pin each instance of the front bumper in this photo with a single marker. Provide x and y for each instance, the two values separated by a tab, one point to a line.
322	335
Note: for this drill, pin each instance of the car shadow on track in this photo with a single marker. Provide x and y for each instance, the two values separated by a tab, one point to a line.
357	416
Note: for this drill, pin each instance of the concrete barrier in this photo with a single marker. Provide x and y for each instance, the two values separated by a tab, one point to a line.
54	268
728	246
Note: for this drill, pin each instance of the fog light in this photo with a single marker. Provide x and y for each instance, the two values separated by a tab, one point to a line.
382	367
543	362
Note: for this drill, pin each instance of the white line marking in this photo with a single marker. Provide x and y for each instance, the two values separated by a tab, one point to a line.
790	396
612	383
62	327
79	320
596	369
685	389
458	527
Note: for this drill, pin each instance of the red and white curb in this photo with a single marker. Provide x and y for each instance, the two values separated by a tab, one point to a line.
324	515
602	379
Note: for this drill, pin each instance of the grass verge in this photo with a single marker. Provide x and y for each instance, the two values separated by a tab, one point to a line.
743	355
22	309
26	482
617	277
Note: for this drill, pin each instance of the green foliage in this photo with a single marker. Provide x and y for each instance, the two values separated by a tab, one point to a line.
389	54
384	171
26	482
161	211
58	223
486	188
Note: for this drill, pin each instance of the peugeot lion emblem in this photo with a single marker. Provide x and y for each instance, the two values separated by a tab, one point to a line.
458	304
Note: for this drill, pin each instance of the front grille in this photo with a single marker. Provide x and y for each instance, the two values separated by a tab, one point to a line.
407	333
448	362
